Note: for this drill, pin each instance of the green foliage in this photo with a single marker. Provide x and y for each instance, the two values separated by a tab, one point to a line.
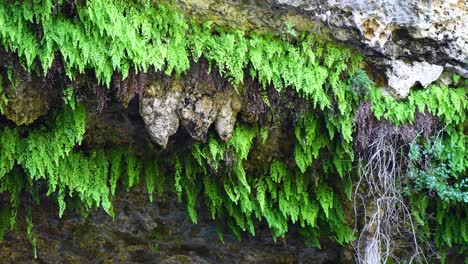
106	37
440	168
3	97
290	29
443	222
30	233
241	141
437	166
331	129
448	104
277	193
310	139
325	197
69	97
47	154
153	177
116	168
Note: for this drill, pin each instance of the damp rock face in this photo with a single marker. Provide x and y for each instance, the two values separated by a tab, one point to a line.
27	102
159	232
196	102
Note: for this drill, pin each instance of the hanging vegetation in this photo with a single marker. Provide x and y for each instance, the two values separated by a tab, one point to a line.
312	189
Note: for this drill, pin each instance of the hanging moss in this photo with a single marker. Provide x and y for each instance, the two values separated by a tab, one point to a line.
107	37
310	190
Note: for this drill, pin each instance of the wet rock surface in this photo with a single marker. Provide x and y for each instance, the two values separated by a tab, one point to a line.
144	232
117	126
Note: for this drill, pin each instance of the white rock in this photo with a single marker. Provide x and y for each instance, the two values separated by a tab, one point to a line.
166	106
402	76
159	113
226	119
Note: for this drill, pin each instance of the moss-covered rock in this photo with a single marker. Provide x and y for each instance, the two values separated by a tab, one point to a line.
27	102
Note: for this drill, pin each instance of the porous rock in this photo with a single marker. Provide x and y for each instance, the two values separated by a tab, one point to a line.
194	103
402	76
158	108
227	117
198	115
388	26
435	32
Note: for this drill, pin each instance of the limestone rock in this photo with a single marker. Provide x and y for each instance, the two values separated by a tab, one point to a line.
196	101
438	27
402	76
198	115
227	118
159	111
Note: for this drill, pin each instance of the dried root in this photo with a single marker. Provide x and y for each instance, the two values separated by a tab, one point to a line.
387	228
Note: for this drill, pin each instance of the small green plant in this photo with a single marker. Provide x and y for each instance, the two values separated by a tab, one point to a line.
434	169
289	31
456	78
448	104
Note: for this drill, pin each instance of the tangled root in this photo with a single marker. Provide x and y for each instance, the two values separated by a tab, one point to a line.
387	227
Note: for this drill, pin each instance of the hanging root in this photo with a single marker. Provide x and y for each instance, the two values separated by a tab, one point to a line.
388	230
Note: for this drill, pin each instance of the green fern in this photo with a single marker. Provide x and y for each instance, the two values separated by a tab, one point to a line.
107	38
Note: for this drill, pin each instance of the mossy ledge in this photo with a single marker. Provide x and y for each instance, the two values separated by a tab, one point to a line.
103	43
